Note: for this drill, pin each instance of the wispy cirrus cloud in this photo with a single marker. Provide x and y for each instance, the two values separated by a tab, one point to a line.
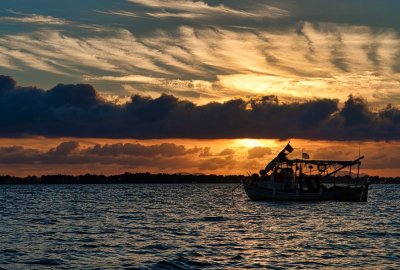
73	53
31	18
120	13
220	63
7	61
182	15
216	62
151	86
197	9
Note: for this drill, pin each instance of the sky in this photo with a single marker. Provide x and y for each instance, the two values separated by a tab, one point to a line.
215	87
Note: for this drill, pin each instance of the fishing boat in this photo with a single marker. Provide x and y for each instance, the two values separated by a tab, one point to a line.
305	180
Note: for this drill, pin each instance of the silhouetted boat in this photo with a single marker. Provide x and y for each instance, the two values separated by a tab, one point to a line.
283	179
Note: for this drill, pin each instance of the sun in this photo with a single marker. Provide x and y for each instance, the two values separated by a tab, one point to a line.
249	143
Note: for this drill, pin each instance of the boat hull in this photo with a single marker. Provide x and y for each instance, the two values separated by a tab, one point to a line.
349	194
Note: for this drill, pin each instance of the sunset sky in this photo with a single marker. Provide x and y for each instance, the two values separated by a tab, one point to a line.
214	87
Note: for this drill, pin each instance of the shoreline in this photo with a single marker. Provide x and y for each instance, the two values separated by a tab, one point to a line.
147	178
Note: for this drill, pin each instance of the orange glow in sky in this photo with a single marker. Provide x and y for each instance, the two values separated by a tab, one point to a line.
236	156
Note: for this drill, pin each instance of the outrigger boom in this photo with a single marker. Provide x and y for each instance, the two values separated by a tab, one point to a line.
327	163
344	163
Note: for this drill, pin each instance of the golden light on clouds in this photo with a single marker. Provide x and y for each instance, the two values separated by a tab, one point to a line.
36	156
216	64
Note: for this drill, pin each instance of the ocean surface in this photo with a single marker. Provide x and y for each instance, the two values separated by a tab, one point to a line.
192	227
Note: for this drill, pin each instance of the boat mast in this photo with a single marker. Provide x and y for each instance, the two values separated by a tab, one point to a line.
348	180
358	164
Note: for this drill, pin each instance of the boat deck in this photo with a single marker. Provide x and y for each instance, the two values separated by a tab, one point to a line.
351	194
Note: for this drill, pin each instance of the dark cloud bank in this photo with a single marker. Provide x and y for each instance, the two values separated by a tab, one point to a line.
78	111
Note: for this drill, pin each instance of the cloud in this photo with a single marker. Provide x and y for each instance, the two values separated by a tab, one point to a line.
364	13
396	62
338	55
216	62
355	112
64	148
197	9
32	19
7	61
120	13
54	52
36	156
78	111
71	157
216	163
227	152
175	15
373	54
206	152
152	86
259	152
211	51
163	149
7	83
311	49
72	152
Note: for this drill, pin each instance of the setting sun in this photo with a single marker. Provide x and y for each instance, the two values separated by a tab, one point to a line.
249	143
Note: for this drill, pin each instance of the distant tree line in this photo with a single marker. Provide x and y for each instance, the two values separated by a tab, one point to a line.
126	178
162	178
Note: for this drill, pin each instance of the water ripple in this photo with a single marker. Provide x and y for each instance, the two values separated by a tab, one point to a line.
192	227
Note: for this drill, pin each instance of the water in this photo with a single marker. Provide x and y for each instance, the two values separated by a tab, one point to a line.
192	227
